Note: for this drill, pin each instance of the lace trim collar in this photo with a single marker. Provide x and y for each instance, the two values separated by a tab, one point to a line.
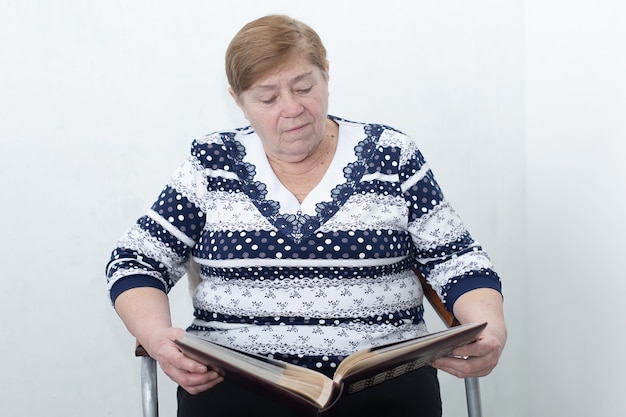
278	204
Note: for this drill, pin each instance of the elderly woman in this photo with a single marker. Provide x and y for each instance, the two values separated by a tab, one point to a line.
306	228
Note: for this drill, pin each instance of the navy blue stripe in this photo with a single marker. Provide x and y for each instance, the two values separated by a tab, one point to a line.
399	318
374	244
155	229
134	281
282	273
456	287
180	212
443	252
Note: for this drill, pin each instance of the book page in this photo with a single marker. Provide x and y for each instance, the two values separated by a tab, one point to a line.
400	357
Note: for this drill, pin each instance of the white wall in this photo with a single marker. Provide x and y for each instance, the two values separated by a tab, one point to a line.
99	102
576	143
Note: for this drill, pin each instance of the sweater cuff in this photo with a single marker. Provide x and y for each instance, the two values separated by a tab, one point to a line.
463	286
134	281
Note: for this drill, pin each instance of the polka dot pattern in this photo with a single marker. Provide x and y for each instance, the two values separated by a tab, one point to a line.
260	244
156	230
306	288
177	210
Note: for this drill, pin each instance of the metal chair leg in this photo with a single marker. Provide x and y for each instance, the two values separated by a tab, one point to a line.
472	393
149	395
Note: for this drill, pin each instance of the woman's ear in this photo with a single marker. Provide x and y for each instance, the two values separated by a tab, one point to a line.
238	102
234	96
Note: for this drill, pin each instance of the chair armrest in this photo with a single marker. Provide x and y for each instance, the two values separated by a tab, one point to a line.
139	350
434	300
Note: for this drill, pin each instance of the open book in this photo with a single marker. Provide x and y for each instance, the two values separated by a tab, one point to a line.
316	391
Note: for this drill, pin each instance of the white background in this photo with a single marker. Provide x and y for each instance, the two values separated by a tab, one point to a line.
519	106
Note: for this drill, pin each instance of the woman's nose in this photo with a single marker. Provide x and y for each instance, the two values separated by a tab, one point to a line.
291	105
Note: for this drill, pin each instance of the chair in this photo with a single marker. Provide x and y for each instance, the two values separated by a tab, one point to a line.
149	394
472	386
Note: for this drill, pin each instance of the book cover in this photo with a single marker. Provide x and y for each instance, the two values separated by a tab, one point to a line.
314	392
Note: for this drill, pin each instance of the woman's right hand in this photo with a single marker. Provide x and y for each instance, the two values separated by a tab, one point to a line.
191	375
146	313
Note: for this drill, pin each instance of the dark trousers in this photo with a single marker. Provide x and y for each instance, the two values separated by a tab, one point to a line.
415	394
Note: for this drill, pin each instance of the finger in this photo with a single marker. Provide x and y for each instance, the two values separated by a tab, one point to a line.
185	363
474	350
193	379
456	366
463	367
196	389
180	366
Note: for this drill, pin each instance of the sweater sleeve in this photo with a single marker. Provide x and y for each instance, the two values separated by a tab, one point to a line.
155	251
452	262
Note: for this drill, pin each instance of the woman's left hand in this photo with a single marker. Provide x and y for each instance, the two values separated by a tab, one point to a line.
478	358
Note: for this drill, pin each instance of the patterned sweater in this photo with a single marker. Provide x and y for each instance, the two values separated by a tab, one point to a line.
312	282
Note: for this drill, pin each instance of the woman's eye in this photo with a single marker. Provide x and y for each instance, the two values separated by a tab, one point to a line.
269	100
304	90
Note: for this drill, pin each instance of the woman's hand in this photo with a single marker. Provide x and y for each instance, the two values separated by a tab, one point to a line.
478	358
145	312
192	376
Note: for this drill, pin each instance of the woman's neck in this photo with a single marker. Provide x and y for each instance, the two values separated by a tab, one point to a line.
301	177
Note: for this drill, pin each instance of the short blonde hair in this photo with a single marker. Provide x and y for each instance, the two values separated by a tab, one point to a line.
264	44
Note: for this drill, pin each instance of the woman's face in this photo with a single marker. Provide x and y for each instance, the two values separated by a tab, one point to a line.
288	110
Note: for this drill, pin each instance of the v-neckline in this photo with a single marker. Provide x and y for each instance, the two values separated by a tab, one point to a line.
279	205
277	191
